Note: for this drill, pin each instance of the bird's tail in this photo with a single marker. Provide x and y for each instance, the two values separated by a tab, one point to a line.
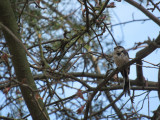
126	87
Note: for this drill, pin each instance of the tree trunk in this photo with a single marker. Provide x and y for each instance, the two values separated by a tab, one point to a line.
20	63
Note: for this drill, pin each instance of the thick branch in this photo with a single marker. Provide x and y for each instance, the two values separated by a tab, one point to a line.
99	77
159	83
156	115
139	70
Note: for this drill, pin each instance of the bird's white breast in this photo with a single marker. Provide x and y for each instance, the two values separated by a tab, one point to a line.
121	59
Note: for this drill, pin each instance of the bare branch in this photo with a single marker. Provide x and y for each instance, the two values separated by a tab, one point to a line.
159	83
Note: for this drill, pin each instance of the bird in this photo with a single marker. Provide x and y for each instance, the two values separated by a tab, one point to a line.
121	57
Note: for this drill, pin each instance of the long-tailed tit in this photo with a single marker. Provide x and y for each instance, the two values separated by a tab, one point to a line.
121	57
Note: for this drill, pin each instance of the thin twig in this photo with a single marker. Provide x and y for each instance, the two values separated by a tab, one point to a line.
111	34
22	11
146	12
19	41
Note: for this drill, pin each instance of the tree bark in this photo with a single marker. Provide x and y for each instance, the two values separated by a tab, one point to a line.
156	115
159	83
21	65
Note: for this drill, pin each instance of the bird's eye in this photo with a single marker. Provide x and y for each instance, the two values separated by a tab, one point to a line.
118	54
